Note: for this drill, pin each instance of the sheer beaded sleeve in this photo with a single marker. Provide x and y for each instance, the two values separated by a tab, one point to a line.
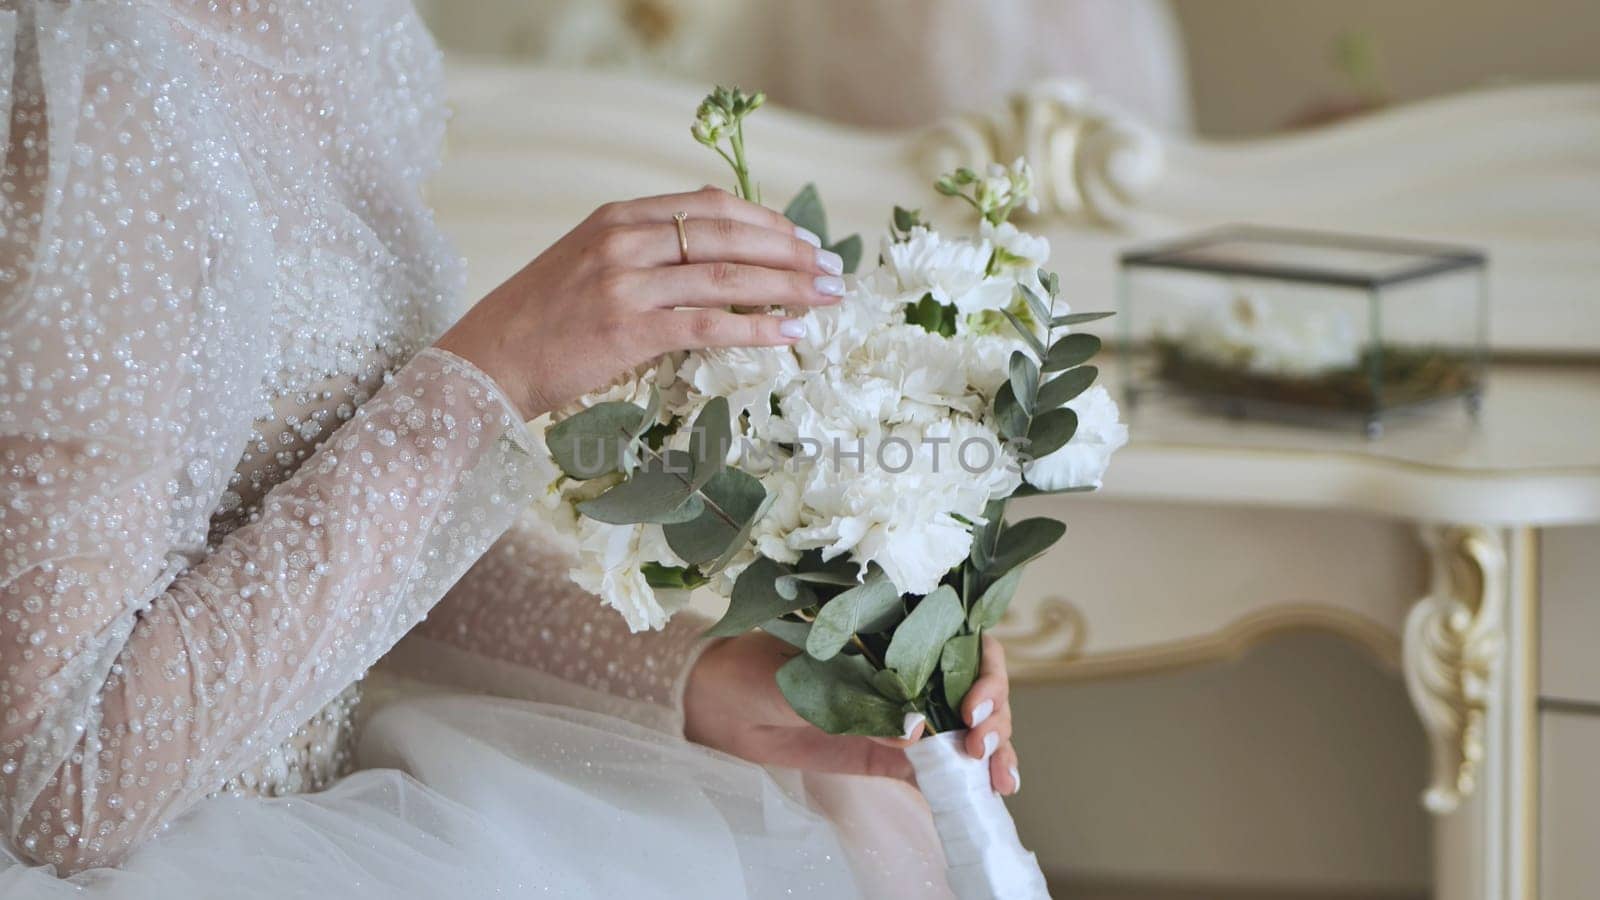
140	664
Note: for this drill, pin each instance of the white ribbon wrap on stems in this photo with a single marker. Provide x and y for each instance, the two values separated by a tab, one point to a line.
984	858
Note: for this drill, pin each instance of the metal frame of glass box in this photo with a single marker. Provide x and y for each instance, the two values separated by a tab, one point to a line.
1415	261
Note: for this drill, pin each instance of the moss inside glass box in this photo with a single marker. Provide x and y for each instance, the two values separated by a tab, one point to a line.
1268	319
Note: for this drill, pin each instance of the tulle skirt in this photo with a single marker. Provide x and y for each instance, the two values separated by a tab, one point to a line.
466	795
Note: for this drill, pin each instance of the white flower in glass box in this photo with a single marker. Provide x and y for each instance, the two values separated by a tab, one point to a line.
847	494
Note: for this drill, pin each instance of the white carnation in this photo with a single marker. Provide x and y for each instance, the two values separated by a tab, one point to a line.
834	332
905	502
954	271
746	376
927	371
1082	461
610	565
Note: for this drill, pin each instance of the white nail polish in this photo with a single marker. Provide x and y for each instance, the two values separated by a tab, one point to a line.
807	235
981	712
792	328
991	743
830	262
913	721
1016	780
831	285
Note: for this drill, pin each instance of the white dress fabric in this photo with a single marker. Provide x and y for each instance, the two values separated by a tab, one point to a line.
233	476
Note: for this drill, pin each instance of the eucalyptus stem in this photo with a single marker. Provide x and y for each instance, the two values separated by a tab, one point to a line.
862	646
741	167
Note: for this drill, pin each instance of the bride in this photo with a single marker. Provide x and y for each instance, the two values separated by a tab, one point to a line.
239	463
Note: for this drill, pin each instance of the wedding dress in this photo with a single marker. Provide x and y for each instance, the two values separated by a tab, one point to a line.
233	476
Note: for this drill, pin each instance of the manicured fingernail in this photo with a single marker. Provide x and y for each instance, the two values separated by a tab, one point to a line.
830	262
913	721
1016	780
807	235
991	743
832	285
792	328
981	712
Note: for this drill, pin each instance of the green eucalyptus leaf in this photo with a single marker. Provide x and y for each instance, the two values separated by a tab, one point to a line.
1027	334
756	601
1050	281
906	219
788	584
1051	431
1010	415
593	442
988	609
959	664
789	631
1024	380
710	438
849	250
1072	350
1028	490
839	697
1041	309
889	683
706	537
1023	541
914	649
1079	318
652	410
1066	386
658	492
742	538
986	533
805	210
865	608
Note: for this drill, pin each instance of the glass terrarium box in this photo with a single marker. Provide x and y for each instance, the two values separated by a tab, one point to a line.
1283	323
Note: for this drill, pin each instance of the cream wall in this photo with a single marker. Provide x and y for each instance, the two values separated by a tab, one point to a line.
1253	64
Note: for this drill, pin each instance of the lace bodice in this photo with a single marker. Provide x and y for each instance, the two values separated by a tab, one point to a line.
231	475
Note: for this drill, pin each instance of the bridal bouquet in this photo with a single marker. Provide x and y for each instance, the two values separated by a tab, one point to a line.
848	493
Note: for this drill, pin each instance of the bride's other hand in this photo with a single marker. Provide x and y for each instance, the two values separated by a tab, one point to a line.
616	292
732	703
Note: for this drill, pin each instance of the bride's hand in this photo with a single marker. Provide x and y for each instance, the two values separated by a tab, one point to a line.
615	292
732	703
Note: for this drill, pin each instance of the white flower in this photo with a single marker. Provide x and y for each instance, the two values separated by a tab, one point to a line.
1002	189
1275	339
1082	461
926	370
986	361
747	376
783	485
904	502
609	565
834	332
954	271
